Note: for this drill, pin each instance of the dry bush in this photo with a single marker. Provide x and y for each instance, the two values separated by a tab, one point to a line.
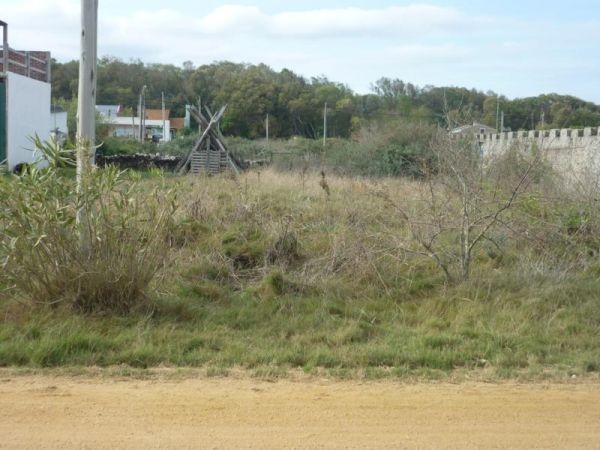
458	205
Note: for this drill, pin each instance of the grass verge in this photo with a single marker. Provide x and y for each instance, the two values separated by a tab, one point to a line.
271	276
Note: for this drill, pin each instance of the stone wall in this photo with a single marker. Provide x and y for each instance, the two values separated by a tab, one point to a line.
572	152
140	161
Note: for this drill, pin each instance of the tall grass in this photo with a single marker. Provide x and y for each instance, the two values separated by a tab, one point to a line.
42	261
270	273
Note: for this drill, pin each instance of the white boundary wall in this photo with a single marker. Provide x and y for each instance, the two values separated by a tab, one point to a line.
28	113
572	152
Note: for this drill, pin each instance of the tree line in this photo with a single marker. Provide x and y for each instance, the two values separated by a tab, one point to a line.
295	104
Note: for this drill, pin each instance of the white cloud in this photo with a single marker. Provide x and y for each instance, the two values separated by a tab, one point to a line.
418	19
58	20
233	19
236	19
420	52
174	35
422	43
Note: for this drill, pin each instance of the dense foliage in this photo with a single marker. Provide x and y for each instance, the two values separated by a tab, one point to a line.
295	104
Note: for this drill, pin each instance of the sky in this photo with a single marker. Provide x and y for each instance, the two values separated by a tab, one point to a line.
517	48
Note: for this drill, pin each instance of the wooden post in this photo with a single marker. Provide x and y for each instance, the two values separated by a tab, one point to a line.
48	67
143	118
141	115
543	119
325	125
497	114
200	112
163	118
5	50
208	144
267	129
86	114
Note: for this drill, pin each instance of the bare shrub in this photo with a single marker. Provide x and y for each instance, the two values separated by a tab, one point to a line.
458	205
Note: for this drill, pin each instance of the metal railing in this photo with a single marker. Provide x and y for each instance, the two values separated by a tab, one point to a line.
31	64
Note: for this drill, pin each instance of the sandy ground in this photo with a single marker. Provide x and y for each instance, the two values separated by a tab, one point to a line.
71	412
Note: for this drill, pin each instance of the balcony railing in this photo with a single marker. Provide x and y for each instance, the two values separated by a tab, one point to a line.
31	64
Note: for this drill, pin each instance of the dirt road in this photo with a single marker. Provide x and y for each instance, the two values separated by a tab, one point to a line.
65	412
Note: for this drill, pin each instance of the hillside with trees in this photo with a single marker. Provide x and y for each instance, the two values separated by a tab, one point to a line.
295	103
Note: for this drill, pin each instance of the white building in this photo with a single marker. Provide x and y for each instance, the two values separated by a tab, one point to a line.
108	111
59	127
129	127
24	101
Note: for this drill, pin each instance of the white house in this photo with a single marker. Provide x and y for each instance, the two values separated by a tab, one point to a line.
109	111
128	127
24	101
59	127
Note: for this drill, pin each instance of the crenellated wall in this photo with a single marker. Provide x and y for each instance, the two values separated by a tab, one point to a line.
572	152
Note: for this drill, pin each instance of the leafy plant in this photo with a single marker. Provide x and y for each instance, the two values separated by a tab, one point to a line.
53	152
39	246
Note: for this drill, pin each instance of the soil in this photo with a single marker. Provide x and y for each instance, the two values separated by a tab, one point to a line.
66	412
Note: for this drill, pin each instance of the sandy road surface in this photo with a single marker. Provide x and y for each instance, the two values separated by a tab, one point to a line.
64	412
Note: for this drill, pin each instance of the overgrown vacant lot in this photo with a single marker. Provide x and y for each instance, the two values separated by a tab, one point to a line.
273	272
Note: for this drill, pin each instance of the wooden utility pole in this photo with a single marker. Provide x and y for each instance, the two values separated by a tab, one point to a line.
543	120
497	113
267	129
325	125
86	114
502	122
142	115
163	118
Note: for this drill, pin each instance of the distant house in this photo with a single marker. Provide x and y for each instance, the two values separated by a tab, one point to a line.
109	111
157	114
129	126
25	94
59	124
177	124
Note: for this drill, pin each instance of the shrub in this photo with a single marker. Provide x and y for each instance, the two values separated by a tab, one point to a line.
41	256
180	146
123	146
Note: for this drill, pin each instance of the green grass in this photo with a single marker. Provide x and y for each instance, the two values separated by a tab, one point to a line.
403	336
269	275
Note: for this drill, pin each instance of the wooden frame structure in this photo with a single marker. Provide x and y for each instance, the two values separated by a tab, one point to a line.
209	154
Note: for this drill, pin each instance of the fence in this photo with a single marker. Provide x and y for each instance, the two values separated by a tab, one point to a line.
31	64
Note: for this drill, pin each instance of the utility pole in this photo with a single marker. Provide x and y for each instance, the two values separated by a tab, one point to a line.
543	120
497	113
163	118
325	125
86	114
142	114
267	129
502	122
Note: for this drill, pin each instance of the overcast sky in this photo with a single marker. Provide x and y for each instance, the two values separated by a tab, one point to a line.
514	47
